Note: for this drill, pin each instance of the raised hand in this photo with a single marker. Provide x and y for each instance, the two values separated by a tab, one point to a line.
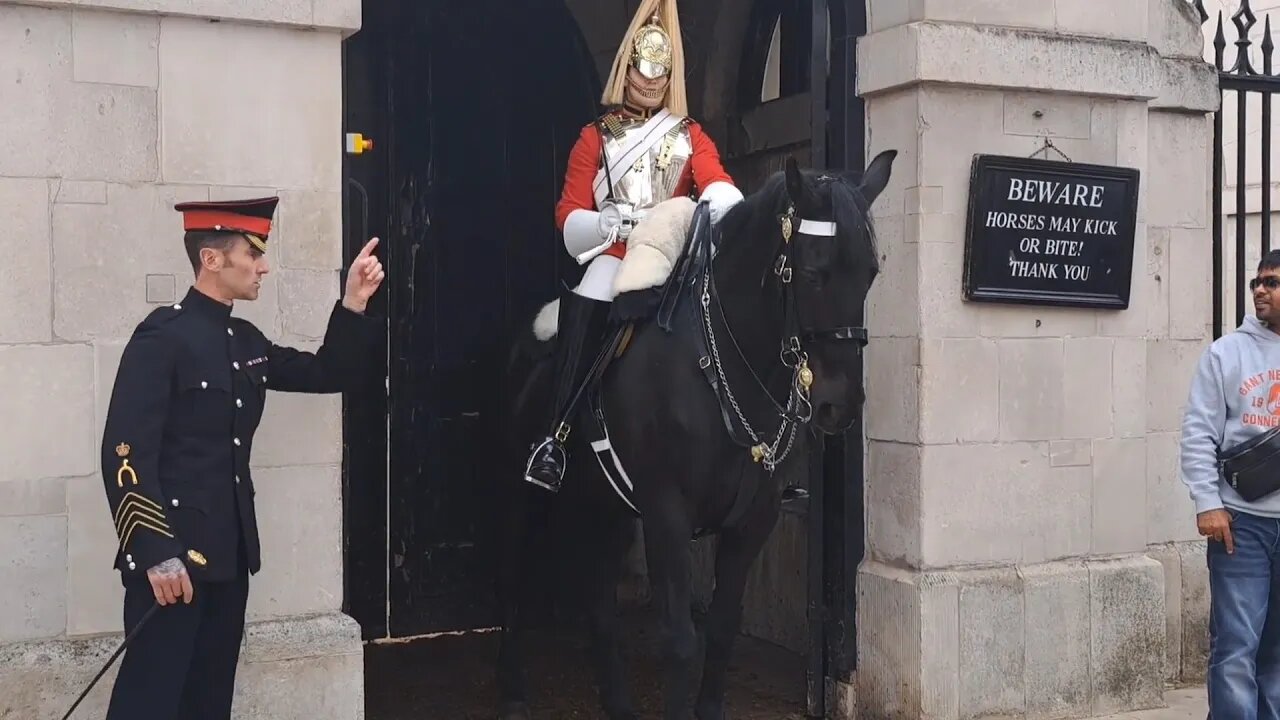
363	279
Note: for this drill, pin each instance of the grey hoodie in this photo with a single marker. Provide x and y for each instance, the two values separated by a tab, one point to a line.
1235	395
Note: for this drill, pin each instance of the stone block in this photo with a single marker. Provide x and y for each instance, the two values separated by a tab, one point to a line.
893	304
1133	145
1129	386
78	192
95	294
310	230
977	54
1159	284
343	15
1180	150
1029	14
300	519
1070	453
893	503
1119	495
992	651
1175	29
34	592
53	385
1191	307
943	310
888	642
935	227
893	389
299	429
1032	322
1043	512
1122	21
1170	512
1171	565
885	129
1195	611
282	12
1058	641
25	240
1100	147
106	365
162	289
106	132
1087	410
38	496
35	66
115	48
307	298
1041	115
1170	366
944	112
1146	315
1128	625
957	390
1031	401
95	596
212	72
312	668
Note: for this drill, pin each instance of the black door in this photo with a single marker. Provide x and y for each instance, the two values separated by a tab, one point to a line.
480	102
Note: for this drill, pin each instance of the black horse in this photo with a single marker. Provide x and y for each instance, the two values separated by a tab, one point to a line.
704	415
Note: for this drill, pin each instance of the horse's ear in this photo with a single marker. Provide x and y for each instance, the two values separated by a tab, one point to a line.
876	178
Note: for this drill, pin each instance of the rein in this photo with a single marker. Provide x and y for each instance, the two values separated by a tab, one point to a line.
798	409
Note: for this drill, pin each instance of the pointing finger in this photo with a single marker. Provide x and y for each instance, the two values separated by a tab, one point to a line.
368	248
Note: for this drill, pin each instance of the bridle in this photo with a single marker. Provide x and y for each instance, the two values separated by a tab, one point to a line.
798	409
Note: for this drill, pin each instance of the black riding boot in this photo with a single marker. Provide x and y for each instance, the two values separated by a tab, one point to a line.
579	335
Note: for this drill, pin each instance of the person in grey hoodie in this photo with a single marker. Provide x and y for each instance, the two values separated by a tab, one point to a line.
1235	395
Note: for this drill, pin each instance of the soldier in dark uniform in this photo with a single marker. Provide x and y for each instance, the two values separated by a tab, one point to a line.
187	400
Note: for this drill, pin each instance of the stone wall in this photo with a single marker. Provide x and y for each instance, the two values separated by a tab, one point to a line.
1031	550
113	111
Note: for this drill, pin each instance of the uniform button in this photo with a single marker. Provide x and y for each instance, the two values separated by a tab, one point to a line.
235	365
204	385
128	558
177	306
239	403
132	566
264	378
174	502
236	441
237	479
230	331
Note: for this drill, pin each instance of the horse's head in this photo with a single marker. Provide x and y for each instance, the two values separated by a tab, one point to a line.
829	249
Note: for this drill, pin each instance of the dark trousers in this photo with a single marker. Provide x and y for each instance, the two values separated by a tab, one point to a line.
182	664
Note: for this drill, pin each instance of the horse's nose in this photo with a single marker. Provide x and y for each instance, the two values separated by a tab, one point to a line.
828	416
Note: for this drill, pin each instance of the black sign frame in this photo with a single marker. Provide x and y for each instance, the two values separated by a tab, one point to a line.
988	248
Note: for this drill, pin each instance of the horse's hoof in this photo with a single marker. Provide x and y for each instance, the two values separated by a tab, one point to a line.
514	711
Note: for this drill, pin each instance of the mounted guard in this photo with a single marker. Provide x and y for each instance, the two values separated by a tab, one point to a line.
643	151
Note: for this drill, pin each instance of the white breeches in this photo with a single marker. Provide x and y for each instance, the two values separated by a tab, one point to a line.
597	281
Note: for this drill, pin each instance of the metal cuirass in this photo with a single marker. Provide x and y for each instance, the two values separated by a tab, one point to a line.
655	175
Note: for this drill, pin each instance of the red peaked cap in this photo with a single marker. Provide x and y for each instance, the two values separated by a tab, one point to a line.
243	216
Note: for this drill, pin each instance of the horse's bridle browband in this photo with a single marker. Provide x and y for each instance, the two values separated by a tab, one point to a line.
798	409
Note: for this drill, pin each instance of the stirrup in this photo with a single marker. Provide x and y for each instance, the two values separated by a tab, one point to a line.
533	456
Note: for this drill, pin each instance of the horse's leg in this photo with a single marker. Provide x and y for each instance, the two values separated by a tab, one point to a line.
735	553
615	697
666	537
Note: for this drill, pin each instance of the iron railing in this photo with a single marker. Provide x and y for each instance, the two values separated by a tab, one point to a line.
1243	77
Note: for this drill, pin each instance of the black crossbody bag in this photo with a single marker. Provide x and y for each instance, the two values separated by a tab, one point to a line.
1252	468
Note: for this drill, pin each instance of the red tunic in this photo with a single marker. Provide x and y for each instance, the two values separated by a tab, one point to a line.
703	168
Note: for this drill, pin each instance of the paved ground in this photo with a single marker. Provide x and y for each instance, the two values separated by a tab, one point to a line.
1184	704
